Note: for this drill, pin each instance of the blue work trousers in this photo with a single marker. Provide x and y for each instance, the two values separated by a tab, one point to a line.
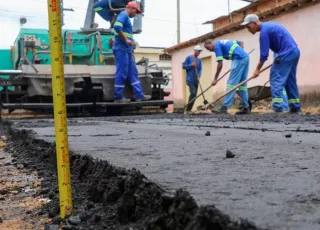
283	75
239	73
193	89
102	8
285	105
126	70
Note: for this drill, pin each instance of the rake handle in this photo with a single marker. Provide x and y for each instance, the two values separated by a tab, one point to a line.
235	87
210	85
195	60
206	89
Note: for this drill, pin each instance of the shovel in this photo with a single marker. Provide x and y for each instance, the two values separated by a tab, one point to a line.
211	86
205	102
234	88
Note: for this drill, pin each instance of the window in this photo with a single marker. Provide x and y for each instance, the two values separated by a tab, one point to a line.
165	57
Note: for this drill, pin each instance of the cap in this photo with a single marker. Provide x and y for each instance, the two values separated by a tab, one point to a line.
135	6
250	18
198	48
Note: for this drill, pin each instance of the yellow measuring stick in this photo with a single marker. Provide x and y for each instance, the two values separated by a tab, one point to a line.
60	111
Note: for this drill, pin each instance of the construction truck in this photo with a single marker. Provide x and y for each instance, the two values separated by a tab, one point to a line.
89	67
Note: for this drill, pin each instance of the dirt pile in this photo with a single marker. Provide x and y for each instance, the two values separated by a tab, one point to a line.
106	197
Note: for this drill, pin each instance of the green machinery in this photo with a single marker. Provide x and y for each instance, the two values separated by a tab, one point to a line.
25	72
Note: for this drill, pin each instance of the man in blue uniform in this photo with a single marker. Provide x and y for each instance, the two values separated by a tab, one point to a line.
193	66
123	51
102	8
284	69
232	50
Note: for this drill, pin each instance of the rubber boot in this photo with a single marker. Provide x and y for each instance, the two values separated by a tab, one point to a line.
243	111
250	106
221	110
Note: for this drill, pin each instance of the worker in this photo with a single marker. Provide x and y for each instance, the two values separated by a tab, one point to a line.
231	50
193	67
102	7
284	69
123	51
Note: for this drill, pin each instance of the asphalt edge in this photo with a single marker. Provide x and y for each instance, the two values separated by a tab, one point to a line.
107	197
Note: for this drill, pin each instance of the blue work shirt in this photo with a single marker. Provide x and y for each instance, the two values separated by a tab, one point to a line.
191	71
123	24
275	37
229	50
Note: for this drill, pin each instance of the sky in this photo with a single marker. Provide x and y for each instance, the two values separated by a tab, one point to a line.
157	31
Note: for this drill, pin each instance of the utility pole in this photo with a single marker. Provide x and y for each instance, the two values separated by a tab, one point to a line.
178	21
62	10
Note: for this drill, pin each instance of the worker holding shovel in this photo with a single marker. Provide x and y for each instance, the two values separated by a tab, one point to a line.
232	50
284	69
193	66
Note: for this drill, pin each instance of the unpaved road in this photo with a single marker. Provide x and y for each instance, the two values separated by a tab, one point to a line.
20	202
273	181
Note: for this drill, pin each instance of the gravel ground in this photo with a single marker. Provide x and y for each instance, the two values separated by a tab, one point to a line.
20	194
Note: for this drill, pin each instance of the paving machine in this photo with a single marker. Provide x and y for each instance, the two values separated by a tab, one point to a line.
89	66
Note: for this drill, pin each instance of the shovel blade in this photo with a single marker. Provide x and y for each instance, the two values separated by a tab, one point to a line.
201	107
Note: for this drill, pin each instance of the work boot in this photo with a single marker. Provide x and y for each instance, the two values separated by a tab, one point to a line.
145	98
123	100
222	110
243	111
295	111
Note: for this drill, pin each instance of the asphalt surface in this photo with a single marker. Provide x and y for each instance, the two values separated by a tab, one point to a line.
273	180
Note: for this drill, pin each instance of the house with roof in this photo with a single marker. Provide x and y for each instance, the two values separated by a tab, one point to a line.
300	17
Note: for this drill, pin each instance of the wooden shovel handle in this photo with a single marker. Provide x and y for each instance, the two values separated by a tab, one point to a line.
235	87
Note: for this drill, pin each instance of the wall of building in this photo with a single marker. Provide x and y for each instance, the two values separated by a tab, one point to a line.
303	24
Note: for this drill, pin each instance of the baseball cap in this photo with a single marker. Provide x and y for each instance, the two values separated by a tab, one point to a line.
135	6
250	18
198	48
